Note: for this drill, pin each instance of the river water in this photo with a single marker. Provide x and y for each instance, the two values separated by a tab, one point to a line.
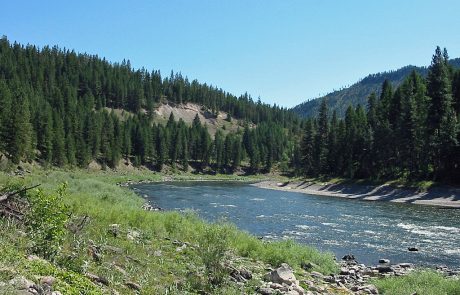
369	230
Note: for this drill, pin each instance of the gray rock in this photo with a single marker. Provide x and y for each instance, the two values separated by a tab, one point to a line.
307	265
369	289
298	289
133	235
114	229
384	269
348	257
384	261
316	274
282	274
266	291
406	265
21	283
47	280
246	274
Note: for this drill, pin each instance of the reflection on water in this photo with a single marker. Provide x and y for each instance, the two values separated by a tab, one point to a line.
369	230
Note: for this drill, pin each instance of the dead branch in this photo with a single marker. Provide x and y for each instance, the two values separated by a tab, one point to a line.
10	194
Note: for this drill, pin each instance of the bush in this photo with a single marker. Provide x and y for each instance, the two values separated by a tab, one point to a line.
213	248
46	221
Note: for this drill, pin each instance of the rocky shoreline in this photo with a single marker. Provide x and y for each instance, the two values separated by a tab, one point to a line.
438	196
353	278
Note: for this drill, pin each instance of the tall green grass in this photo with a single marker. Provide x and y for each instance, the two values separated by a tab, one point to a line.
420	283
96	195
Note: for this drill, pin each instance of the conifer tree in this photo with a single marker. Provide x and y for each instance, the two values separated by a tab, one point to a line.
321	140
308	148
219	146
441	115
18	142
59	154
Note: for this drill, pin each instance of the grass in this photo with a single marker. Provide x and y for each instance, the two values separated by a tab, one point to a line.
420	283
152	260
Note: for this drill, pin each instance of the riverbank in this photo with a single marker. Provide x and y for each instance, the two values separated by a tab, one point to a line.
435	196
112	246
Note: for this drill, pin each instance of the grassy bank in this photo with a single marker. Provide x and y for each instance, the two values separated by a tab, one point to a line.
110	245
420	282
148	248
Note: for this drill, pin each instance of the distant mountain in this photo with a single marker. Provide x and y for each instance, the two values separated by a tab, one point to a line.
358	93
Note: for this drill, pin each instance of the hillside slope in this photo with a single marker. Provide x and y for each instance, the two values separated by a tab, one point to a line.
358	93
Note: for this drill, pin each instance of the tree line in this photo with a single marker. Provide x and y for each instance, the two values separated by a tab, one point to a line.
63	109
410	132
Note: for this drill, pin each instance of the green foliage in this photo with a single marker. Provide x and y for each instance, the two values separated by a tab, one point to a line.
420	282
358	93
55	108
47	221
95	195
213	247
409	133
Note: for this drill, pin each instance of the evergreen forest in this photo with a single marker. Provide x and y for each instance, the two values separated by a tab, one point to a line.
58	108
411	132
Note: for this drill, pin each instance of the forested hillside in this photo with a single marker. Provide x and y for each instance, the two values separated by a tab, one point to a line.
410	132
358	93
57	109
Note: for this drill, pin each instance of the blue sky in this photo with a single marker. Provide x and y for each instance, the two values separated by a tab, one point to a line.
284	51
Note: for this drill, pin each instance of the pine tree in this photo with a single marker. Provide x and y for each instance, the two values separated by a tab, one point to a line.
219	146
333	147
456	92
308	148
59	154
5	116
45	135
321	140
237	153
350	138
441	116
18	141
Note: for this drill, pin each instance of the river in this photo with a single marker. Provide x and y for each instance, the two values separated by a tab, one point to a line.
369	230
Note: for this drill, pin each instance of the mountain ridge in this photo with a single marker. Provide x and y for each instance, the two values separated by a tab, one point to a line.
358	93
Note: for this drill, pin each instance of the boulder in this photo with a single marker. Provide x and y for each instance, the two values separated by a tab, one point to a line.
344	271
406	265
317	275
133	235
21	283
282	274
369	289
384	261
307	266
47	280
266	291
298	289
384	268
114	229
348	257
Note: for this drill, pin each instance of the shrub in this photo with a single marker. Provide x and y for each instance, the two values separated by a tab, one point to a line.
46	221
213	248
